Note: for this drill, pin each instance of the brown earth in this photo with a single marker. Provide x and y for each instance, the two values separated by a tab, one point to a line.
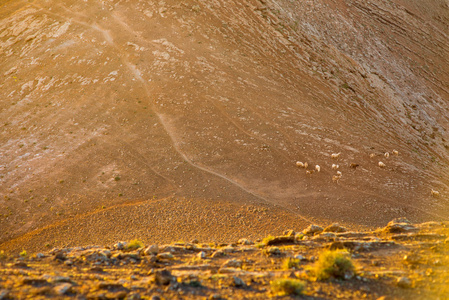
166	120
401	261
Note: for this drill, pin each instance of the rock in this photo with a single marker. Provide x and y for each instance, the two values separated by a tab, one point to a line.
289	233
404	282
34	281
120	245
20	264
62	289
228	249
194	241
233	263
151	250
201	255
335	228
61	279
68	262
281	240
313	229
165	255
4	294
274	251
417	236
215	297
238	282
155	297
217	254
300	257
244	242
111	286
40	255
400	225
164	277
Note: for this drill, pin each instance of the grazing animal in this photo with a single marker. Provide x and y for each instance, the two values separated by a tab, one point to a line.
382	165
434	193
335	167
372	155
353	165
396	152
299	164
387	155
336	178
335	155
309	172
306	165
317	168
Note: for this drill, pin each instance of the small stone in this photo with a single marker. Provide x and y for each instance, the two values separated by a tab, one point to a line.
120	245
233	263
20	264
244	242
164	277
40	255
289	233
313	229
152	250
34	281
194	241
201	255
335	228
215	297
300	257
238	282
155	297
228	249
96	269
62	289
404	282
165	255
68	262
4	294
217	254
274	251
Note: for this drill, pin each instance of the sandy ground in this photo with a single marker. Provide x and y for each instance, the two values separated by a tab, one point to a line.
166	120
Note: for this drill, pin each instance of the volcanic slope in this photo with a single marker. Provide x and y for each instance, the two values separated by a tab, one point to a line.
180	119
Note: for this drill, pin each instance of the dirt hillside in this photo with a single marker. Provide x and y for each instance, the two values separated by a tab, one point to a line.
173	119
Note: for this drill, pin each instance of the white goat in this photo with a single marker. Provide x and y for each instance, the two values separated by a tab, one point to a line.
335	155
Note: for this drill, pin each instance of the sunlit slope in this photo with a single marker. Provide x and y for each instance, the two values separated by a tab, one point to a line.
113	102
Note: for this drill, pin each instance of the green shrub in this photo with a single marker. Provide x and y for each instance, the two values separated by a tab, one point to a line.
290	263
285	287
23	253
334	264
134	244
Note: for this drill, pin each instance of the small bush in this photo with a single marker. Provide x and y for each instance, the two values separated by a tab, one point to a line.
334	264
285	287
134	244
23	253
290	263
3	255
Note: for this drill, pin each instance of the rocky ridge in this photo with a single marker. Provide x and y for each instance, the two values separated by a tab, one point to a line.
400	261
